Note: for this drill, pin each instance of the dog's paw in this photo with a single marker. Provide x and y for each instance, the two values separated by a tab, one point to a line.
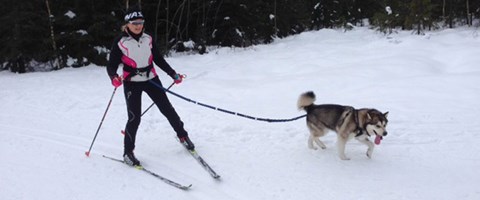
369	153
344	157
320	144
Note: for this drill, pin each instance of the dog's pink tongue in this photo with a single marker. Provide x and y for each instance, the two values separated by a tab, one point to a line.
378	139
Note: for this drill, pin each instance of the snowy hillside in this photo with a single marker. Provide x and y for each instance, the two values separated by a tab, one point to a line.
430	85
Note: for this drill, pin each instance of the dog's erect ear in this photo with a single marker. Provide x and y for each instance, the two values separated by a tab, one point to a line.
385	114
368	116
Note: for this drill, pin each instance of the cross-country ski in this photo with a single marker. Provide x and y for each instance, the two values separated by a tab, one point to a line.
166	180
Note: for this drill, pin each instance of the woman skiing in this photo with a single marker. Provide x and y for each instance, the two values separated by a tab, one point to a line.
135	52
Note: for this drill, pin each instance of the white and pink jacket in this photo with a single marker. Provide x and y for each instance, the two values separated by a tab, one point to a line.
136	57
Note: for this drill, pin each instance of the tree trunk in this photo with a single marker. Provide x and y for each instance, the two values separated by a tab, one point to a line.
187	25
443	9
167	32
180	9
127	4
450	14
156	20
469	15
275	19
57	60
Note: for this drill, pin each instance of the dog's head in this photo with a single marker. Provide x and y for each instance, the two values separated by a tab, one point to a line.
376	124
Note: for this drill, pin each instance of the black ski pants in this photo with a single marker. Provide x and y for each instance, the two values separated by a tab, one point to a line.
133	96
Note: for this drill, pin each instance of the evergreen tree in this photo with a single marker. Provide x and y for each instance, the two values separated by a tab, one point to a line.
391	16
228	23
83	30
365	10
293	17
86	29
25	36
325	14
420	16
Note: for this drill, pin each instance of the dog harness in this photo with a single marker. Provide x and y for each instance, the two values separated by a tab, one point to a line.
360	130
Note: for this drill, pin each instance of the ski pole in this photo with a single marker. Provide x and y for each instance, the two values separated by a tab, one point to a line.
101	122
123	131
183	76
154	103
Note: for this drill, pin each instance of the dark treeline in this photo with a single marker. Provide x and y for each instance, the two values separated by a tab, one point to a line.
53	34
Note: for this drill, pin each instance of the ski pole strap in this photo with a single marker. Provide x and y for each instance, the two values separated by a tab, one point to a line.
223	110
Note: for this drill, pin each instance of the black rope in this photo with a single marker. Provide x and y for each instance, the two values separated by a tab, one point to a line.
223	110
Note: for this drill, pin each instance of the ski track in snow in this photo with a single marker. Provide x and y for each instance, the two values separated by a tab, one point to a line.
430	84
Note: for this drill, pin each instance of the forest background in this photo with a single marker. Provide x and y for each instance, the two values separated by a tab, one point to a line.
45	35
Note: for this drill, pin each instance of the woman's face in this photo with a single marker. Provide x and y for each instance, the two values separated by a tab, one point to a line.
136	26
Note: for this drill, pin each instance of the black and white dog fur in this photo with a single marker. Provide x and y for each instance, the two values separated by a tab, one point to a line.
346	121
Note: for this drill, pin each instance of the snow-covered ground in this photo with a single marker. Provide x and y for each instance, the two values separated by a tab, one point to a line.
430	85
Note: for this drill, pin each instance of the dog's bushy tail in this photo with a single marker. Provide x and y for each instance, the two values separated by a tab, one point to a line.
305	100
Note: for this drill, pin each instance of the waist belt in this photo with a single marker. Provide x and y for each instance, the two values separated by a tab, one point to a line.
137	71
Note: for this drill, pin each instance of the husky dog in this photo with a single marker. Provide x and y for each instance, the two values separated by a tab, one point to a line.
347	121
